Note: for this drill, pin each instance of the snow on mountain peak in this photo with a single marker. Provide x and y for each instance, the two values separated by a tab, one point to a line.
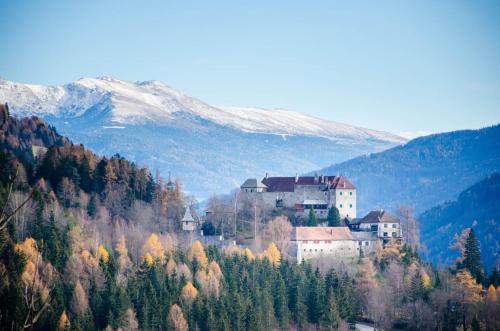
133	103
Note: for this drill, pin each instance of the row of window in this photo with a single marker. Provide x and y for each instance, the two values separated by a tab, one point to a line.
361	243
341	206
331	250
341	193
393	225
317	241
394	234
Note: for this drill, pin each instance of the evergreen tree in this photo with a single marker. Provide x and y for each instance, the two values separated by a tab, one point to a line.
417	287
331	318
92	205
312	220
280	302
333	217
472	257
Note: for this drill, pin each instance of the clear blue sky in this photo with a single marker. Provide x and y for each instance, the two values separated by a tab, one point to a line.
389	65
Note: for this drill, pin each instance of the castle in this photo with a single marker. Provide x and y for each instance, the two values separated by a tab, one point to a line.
302	193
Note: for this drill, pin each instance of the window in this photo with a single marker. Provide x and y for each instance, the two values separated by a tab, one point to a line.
340	205
305	241
328	241
394	234
350	205
360	243
350	193
340	193
374	228
394	226
304	249
366	243
385	225
316	241
385	234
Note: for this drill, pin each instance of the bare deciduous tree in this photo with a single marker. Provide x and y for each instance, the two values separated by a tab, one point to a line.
279	230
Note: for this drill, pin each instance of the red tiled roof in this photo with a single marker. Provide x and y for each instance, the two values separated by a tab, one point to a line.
321	233
287	184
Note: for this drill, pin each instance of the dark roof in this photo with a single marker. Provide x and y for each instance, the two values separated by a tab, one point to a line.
287	184
252	183
379	216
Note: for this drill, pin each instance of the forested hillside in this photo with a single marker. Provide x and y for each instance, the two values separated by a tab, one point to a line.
477	207
93	243
424	172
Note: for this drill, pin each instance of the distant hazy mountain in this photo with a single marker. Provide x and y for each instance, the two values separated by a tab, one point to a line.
211	149
424	172
477	207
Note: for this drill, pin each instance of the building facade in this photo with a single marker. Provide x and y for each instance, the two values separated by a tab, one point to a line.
188	222
380	222
321	241
302	193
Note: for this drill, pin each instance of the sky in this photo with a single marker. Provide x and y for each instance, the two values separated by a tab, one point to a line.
401	66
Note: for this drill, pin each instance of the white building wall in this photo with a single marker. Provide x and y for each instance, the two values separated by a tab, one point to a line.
335	248
345	201
382	228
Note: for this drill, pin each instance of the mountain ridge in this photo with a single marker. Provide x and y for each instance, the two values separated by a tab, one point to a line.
425	171
155	100
210	149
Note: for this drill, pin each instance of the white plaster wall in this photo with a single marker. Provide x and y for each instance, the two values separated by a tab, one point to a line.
345	201
337	248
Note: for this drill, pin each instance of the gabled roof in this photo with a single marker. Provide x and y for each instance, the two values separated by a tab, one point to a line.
341	182
379	216
321	233
187	216
252	183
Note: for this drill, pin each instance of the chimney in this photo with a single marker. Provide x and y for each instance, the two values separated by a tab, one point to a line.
266	175
315	178
296	177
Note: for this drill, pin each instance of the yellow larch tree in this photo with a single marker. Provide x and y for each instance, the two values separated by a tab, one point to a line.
102	254
248	253
63	324
426	280
467	288
272	253
189	293
148	259
154	247
492	294
197	252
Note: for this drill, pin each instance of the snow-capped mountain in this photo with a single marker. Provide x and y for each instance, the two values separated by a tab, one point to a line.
210	148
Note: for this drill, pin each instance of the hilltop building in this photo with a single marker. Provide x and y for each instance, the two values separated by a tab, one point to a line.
381	224
302	193
316	241
364	234
188	222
